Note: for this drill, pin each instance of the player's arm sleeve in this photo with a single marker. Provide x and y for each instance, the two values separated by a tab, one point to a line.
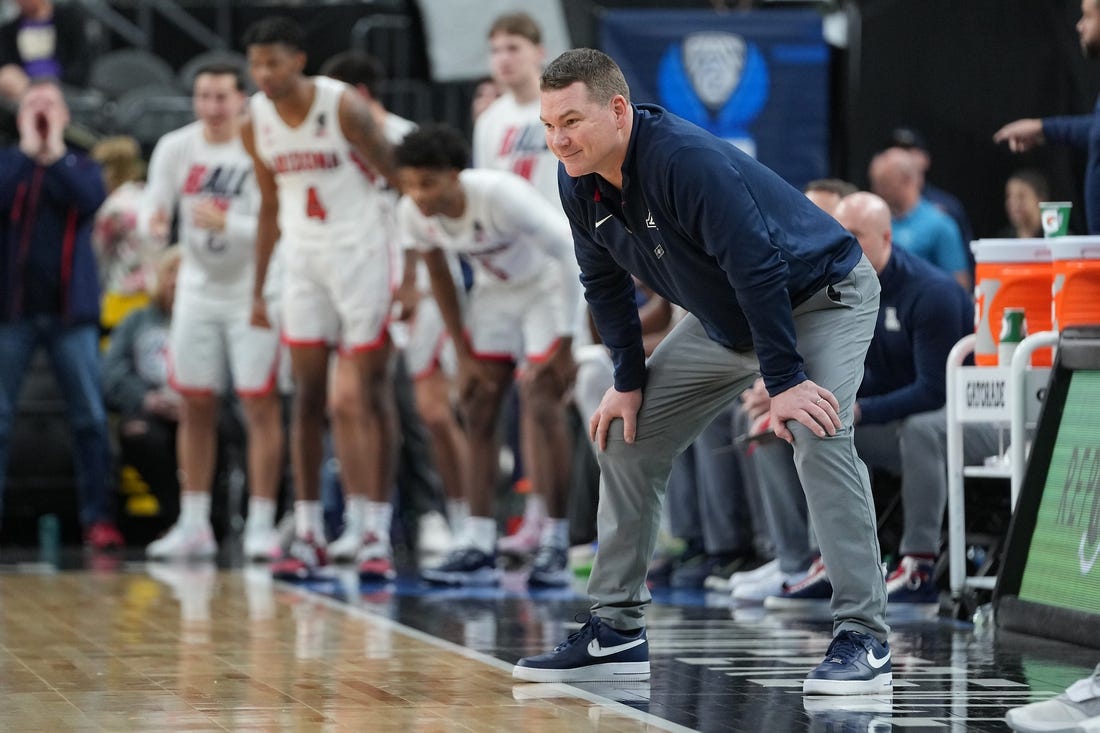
241	218
160	193
524	209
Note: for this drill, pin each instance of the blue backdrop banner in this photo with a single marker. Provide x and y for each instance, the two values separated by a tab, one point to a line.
758	79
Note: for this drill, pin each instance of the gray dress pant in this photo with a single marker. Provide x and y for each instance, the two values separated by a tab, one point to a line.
691	380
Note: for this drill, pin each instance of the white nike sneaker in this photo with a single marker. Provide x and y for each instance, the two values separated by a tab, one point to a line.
772	584
751	576
184	543
260	544
346	547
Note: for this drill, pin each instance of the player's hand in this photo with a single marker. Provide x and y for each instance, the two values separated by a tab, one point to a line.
813	406
159	225
557	372
613	406
405	301
473	378
259	313
756	400
1021	135
207	214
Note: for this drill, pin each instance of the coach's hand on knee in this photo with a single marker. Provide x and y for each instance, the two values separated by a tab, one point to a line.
812	405
615	404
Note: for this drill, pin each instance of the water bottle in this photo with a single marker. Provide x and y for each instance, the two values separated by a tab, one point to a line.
49	539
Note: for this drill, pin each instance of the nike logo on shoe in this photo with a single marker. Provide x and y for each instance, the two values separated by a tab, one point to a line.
595	650
875	661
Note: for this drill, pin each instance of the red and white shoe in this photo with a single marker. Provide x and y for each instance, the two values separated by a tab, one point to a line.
375	560
305	559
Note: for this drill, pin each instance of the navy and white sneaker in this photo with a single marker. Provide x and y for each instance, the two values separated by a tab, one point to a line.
464	566
856	664
814	590
594	653
912	586
550	568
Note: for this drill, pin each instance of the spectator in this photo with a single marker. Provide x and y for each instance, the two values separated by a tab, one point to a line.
45	41
1080	131
486	91
135	385
49	291
913	141
827	192
126	258
1024	189
918	226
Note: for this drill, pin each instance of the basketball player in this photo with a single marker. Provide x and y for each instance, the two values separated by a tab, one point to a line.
428	354
316	149
204	170
519	312
509	136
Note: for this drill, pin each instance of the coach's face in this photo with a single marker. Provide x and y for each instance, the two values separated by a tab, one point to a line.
275	67
586	136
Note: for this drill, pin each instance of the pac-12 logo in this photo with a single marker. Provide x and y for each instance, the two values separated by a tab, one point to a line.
717	80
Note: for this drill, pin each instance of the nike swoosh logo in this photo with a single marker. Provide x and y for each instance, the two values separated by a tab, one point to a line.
595	650
1086	564
601	221
876	662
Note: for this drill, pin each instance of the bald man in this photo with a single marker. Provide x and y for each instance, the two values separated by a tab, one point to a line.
899	412
917	225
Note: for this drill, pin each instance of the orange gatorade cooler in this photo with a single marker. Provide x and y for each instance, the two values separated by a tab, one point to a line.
1010	273
1075	266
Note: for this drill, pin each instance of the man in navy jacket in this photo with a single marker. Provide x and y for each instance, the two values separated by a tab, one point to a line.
772	285
49	290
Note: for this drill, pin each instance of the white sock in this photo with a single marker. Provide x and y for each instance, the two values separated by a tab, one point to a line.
535	508
194	508
355	515
555	533
379	515
457	511
480	532
309	521
261	512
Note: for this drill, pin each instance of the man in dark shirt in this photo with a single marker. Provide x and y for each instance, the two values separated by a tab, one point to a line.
771	284
43	41
1080	131
49	290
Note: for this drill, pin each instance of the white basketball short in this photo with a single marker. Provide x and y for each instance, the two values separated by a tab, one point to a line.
429	345
516	322
211	340
338	295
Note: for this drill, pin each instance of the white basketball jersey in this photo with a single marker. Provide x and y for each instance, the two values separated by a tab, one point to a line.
327	193
508	232
510	137
186	169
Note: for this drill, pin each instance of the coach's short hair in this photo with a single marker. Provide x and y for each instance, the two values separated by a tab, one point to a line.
275	29
355	68
595	69
517	24
436	145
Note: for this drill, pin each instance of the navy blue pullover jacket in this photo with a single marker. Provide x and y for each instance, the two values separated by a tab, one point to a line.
922	313
46	242
1083	132
710	229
